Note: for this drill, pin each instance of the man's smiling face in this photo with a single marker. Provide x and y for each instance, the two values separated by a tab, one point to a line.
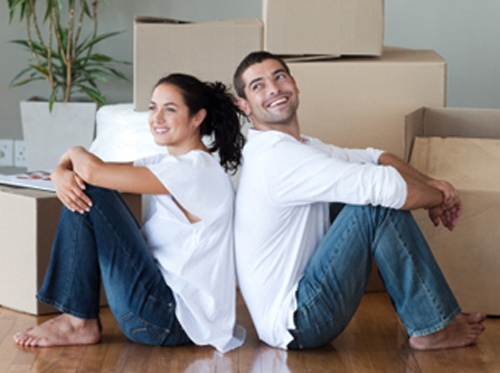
271	95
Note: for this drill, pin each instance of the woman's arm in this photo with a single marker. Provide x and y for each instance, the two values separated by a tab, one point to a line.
78	167
124	177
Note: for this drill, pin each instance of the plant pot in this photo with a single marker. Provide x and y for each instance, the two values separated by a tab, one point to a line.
47	135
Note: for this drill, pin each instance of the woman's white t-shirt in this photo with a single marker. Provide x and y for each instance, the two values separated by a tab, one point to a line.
196	259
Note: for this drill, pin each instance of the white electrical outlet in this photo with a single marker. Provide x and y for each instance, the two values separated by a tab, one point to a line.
6	152
19	154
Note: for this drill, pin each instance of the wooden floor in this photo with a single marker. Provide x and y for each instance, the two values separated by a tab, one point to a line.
374	342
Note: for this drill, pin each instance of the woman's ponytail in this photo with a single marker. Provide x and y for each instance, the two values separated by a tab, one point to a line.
224	126
222	121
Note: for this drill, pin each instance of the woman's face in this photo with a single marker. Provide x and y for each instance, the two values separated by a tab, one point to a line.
170	121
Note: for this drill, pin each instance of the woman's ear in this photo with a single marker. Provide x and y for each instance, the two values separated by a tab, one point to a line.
199	117
243	104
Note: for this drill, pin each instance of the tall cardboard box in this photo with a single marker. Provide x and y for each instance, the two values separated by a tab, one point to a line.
328	27
463	147
362	102
210	51
28	222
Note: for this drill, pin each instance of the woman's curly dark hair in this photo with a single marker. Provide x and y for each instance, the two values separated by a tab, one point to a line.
222	121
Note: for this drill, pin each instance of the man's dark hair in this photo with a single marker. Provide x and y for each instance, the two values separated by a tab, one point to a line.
249	60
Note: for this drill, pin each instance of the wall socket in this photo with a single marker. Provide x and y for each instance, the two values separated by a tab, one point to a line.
19	154
6	152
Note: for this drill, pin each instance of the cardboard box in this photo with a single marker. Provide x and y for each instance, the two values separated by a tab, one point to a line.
28	222
362	102
331	27
210	51
463	147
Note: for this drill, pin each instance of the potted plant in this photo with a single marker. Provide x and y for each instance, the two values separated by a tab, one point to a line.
61	36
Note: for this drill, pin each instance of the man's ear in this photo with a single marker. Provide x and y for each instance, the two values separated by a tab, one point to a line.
243	104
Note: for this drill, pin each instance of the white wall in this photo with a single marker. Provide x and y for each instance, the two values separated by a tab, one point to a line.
464	32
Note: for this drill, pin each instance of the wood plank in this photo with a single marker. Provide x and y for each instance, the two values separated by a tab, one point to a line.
374	341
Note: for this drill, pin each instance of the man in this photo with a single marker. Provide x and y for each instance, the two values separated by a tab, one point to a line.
303	279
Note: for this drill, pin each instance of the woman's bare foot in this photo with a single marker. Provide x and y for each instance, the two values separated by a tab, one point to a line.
463	331
62	330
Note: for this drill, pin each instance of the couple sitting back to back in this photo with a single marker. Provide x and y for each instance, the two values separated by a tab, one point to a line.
301	275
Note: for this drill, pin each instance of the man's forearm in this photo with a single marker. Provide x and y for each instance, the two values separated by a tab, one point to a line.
388	159
421	195
420	192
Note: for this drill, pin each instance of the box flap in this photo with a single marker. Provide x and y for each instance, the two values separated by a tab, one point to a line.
468	163
451	122
414	126
462	122
309	57
160	20
143	20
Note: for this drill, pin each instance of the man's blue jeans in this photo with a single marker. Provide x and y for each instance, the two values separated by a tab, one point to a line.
107	243
336	276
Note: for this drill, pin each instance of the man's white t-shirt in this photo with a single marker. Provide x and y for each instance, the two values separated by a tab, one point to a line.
196	259
282	214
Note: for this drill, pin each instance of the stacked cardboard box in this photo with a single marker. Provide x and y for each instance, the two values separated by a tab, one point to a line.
209	51
361	102
212	50
323	27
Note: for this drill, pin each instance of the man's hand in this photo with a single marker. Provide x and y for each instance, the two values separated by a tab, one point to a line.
439	196
450	210
448	216
450	194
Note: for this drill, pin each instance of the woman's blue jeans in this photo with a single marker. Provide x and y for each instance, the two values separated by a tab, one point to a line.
336	276
106	243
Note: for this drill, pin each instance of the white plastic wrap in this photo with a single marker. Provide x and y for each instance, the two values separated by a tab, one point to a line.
123	135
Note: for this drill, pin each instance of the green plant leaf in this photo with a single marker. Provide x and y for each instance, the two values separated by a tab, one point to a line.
94	94
90	42
52	61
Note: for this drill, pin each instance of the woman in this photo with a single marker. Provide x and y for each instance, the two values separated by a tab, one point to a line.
174	282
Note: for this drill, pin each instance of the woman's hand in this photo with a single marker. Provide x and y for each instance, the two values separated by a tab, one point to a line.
70	189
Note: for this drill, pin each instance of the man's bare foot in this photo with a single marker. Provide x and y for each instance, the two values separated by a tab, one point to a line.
62	330
463	331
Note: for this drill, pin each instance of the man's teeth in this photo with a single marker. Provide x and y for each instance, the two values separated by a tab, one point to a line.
278	102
